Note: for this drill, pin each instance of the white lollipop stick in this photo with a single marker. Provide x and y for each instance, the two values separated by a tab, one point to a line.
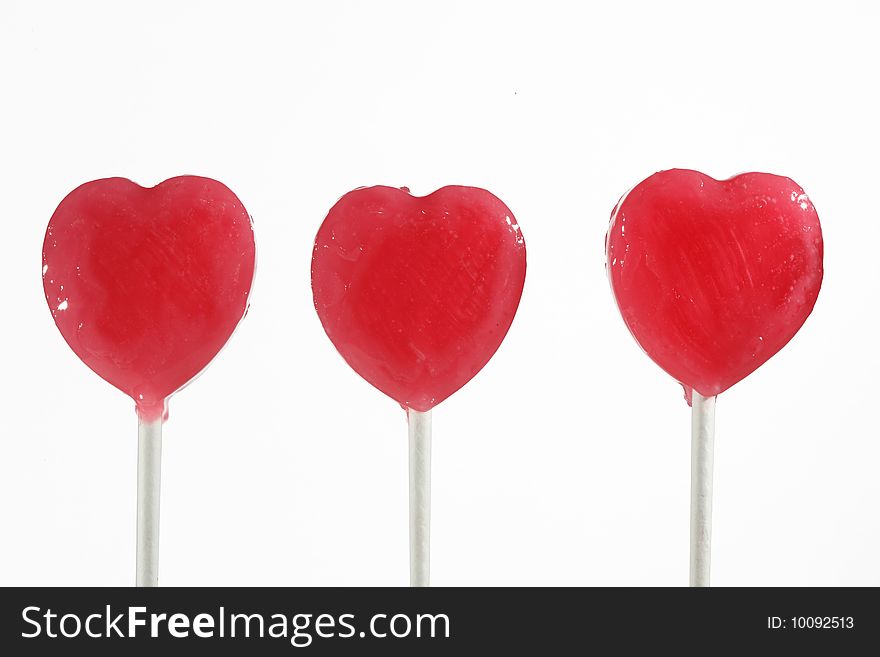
419	497
148	486
702	460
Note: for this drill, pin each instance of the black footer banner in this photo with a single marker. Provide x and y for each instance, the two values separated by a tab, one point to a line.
440	621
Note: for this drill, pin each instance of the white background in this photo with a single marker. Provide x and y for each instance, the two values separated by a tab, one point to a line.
566	460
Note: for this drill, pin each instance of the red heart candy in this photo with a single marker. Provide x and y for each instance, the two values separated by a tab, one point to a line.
147	285
417	293
714	277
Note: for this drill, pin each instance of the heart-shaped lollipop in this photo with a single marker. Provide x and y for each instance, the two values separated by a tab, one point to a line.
417	294
713	278
146	286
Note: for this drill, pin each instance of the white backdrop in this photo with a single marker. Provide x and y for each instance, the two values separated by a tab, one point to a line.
566	460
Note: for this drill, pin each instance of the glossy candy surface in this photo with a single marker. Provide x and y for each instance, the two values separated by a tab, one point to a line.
147	285
714	277
417	293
